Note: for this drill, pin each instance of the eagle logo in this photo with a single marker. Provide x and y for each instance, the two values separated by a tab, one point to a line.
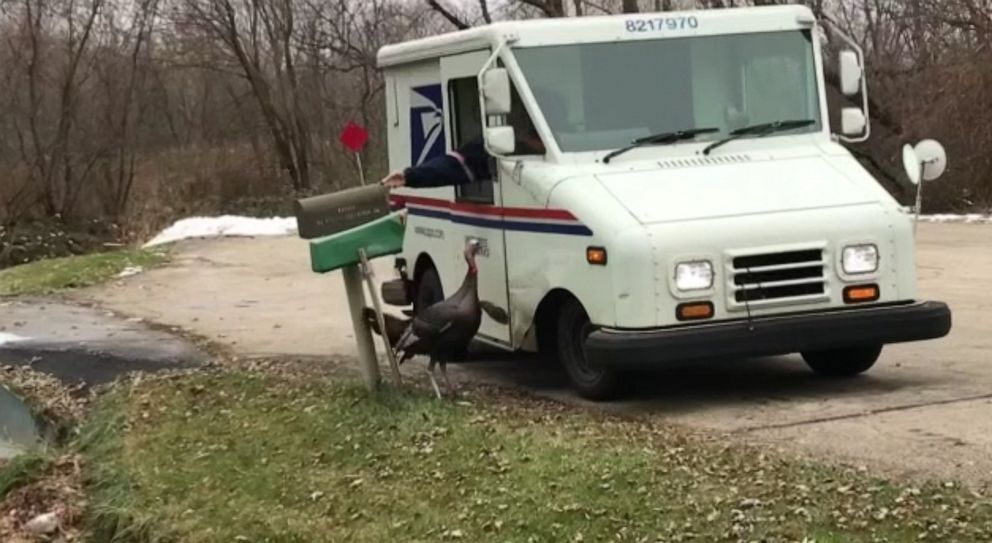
426	123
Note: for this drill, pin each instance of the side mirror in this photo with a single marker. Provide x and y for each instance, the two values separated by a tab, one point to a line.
911	163
852	121
496	91
926	161
500	140
850	73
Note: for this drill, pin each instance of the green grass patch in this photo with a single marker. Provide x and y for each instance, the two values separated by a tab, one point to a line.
249	458
58	274
21	470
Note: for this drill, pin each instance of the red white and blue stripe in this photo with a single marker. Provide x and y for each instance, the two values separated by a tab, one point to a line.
519	219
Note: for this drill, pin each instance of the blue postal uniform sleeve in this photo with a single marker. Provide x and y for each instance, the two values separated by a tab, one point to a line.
469	163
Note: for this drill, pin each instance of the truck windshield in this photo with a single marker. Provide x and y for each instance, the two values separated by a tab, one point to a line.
599	96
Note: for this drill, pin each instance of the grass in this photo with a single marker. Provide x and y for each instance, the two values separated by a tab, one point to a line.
58	274
21	470
249	458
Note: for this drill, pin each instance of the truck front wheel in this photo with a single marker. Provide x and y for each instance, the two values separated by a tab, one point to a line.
843	362
590	381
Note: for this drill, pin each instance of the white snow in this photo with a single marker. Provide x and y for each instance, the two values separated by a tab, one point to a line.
950	217
6	337
225	226
129	271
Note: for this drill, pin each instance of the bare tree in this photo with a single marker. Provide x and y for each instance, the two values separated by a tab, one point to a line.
51	65
258	35
123	80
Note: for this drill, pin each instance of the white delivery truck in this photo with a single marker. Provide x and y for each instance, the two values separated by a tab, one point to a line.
692	200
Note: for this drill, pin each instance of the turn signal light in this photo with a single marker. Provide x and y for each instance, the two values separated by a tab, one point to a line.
694	311
596	256
861	293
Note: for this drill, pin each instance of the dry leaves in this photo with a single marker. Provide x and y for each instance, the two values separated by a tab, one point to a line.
58	492
47	396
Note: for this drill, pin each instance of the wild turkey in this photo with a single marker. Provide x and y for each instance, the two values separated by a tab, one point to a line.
395	326
444	329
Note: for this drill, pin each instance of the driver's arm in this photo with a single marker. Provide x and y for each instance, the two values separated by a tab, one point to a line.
467	164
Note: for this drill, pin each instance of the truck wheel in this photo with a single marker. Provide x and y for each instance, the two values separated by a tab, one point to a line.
591	382
429	291
843	362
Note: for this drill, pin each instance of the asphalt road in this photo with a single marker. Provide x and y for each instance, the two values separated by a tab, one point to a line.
86	344
925	409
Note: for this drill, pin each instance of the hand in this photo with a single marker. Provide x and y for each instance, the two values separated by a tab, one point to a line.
394	180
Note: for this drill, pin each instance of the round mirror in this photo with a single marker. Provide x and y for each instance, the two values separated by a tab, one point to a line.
911	162
933	157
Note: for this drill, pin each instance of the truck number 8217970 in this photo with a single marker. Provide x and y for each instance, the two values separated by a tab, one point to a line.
662	23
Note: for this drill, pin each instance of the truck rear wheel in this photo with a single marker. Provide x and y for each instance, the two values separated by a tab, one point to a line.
843	362
590	381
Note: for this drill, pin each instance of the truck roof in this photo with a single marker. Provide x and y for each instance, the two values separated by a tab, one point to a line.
560	30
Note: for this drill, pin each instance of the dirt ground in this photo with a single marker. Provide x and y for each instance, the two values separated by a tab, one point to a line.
925	409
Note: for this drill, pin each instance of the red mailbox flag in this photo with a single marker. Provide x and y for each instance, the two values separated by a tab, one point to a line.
354	137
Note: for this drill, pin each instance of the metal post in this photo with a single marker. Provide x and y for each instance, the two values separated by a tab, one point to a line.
919	201
361	171
367	272
363	335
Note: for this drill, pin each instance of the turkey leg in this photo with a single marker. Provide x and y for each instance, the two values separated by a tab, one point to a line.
447	384
430	373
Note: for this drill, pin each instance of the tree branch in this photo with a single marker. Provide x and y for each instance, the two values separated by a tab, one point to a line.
484	6
451	17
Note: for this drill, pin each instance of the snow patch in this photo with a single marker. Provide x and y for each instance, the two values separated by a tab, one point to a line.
129	271
6	337
972	218
225	226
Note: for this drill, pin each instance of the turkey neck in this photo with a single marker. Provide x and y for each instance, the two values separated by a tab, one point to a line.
470	284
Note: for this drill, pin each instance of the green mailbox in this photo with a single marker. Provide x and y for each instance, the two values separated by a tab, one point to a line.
345	230
380	237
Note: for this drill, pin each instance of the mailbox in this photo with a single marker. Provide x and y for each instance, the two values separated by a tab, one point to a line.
327	214
346	229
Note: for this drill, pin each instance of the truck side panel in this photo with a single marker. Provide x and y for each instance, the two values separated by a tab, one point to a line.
416	132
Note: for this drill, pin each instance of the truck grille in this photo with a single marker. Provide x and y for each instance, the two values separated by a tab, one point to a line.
771	278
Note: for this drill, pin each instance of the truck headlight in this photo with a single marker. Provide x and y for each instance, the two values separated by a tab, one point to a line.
696	275
858	259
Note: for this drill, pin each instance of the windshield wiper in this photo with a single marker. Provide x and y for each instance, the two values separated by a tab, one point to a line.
759	130
660	139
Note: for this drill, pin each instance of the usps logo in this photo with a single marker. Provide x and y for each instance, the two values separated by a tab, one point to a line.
426	123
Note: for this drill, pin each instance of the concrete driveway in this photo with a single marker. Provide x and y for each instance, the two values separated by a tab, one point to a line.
924	409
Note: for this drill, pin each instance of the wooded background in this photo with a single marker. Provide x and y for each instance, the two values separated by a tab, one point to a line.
117	116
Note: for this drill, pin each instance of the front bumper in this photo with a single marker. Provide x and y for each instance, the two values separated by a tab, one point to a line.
772	335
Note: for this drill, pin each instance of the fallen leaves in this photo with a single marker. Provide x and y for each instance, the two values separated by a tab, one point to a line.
52	504
47	396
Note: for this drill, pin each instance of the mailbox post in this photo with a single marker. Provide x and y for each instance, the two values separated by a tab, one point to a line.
346	229
363	336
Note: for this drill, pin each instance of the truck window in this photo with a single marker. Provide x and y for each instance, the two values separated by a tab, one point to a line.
598	96
466	125
528	142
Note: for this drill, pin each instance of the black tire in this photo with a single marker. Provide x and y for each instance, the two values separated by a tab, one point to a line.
591	382
843	362
428	291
